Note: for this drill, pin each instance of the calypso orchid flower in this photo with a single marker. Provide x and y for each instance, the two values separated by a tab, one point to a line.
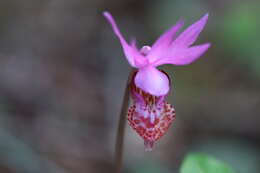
150	115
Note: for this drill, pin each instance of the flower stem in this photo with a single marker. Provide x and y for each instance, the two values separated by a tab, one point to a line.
121	128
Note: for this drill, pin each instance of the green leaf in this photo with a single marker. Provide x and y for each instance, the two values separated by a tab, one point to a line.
201	163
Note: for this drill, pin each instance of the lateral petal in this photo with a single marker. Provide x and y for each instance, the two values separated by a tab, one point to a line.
189	36
131	53
163	42
184	56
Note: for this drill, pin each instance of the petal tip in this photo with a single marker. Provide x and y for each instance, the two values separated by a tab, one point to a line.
108	16
207	45
106	13
205	17
203	20
181	21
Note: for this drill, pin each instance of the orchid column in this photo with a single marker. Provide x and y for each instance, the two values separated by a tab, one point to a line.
150	115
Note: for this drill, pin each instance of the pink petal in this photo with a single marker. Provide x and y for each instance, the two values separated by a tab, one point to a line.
163	42
189	36
152	81
139	59
184	56
132	54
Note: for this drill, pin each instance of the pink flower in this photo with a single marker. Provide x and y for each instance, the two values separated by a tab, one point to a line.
151	115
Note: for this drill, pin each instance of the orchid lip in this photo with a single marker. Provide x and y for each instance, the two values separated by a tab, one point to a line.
152	81
150	116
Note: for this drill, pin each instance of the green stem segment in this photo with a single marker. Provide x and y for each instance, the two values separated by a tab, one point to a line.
121	128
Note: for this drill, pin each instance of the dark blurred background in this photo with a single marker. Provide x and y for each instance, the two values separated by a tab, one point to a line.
63	72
